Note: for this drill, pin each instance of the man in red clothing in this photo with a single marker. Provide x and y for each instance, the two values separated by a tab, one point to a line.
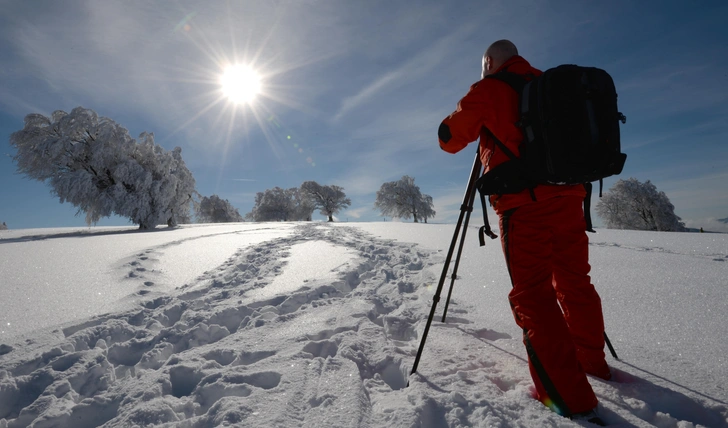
545	246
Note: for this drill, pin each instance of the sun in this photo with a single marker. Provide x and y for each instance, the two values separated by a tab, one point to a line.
240	84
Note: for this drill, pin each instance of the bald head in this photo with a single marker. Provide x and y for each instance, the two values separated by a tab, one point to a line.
497	54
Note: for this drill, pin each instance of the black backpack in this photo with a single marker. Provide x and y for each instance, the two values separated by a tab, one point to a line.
570	123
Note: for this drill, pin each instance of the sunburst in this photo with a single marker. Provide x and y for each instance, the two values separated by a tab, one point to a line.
240	84
246	87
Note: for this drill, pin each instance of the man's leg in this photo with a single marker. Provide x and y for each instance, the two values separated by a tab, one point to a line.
579	300
527	244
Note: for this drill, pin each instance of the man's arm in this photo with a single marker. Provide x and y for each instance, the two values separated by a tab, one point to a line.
463	126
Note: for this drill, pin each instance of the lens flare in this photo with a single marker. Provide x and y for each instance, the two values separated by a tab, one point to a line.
184	24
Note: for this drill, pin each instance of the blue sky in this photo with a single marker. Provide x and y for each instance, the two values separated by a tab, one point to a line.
354	90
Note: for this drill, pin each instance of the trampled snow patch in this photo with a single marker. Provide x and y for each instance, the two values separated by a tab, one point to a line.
307	263
98	267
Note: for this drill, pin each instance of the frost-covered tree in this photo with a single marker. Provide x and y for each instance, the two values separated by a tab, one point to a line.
216	210
3	226
633	205
304	207
329	199
94	164
280	205
426	208
184	189
403	199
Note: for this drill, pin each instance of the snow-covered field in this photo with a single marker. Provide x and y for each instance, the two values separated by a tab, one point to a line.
312	324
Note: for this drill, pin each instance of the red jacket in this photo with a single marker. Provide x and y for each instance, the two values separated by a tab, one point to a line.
493	104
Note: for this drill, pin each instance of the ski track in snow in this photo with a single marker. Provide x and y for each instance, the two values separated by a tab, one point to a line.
718	257
331	353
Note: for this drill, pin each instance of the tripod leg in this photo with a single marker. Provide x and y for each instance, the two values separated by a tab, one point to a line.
468	197
469	209
609	345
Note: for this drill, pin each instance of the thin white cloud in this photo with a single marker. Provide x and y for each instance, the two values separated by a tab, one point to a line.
716	128
447	204
412	69
709	224
368	92
358	213
698	195
669	85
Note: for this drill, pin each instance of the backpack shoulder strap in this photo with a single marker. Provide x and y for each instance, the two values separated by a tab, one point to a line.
503	147
515	81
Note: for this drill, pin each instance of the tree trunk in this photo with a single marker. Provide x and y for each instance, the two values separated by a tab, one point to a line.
331	218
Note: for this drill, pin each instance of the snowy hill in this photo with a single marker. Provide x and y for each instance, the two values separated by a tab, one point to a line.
310	324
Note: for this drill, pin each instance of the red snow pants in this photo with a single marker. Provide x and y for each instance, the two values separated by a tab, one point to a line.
553	301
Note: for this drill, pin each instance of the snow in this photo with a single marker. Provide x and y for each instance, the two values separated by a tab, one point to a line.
312	261
311	324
